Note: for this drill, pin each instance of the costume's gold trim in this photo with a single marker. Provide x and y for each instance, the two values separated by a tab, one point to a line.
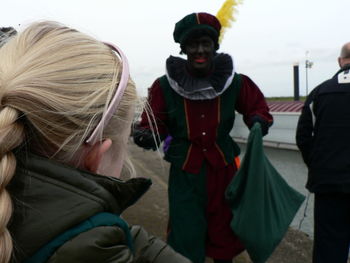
198	22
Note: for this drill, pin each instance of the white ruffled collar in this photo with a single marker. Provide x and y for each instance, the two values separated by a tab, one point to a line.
202	88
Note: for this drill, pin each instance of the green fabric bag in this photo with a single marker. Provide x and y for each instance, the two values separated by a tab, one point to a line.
262	203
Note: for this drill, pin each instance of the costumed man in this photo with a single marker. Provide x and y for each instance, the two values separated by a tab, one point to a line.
195	103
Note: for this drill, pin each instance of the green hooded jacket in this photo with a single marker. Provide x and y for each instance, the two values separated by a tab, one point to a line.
66	215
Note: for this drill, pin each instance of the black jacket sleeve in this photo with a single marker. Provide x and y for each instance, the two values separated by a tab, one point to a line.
305	128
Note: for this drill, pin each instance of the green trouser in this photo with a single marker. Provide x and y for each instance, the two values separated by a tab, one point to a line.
187	208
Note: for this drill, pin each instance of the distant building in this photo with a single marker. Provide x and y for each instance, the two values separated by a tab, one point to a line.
285	106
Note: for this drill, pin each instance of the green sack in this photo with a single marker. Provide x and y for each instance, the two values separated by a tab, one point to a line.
262	203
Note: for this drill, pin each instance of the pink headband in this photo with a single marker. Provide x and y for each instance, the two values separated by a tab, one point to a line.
112	107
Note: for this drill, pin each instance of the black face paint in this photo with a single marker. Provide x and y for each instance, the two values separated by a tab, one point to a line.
200	53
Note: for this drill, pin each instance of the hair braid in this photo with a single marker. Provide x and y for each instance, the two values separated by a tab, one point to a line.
11	135
59	81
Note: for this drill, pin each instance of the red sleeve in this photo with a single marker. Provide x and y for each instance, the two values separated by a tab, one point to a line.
251	102
155	112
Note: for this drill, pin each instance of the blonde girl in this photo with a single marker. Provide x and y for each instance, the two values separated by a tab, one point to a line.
66	107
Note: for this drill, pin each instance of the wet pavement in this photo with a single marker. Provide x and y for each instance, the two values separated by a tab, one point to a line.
151	211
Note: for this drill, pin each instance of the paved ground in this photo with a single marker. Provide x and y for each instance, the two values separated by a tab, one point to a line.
151	211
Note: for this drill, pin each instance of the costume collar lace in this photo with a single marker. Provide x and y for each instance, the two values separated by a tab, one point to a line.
200	88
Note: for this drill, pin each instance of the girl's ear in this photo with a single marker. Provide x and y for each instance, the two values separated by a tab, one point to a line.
94	156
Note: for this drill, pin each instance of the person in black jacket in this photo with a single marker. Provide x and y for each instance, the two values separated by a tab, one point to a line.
323	137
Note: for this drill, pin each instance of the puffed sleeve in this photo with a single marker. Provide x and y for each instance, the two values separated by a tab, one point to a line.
252	105
153	250
157	107
152	129
105	244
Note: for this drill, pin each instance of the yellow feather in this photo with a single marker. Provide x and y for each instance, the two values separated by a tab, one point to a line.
226	15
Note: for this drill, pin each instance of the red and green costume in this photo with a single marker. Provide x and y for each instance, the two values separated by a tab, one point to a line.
202	155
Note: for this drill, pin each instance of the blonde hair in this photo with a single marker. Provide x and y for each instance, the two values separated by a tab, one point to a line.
55	84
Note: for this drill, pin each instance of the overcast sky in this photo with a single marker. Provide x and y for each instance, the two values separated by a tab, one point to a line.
268	37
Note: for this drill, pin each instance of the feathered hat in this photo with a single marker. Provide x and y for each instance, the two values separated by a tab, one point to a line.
213	26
